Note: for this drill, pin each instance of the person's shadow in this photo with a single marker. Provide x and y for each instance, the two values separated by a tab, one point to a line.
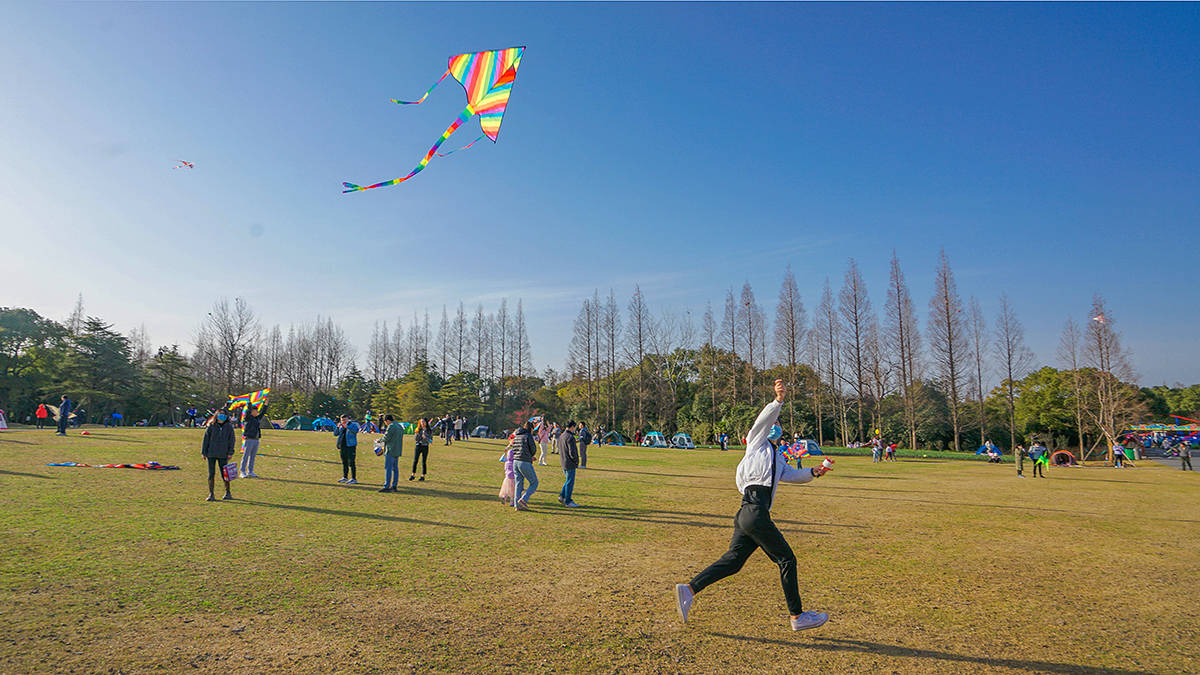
825	644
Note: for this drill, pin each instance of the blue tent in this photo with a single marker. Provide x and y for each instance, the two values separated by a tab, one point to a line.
324	423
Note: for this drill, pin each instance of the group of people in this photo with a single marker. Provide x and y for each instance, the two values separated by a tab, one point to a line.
1038	453
452	428
570	443
882	452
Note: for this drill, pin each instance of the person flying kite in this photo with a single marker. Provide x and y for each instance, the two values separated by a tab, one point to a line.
758	475
487	78
183	165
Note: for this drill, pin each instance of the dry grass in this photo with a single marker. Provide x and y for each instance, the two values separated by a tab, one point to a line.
923	565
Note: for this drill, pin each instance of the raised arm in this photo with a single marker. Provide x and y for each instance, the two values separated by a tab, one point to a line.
766	418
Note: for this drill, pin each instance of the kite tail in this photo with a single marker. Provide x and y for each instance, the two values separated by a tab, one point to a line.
447	154
462	117
435	84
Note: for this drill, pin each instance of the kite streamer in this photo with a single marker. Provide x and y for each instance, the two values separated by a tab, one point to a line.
487	77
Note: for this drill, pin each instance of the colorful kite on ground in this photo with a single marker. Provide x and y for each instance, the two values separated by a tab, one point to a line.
183	165
256	399
487	78
146	466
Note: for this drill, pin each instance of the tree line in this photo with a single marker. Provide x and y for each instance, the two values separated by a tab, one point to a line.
947	382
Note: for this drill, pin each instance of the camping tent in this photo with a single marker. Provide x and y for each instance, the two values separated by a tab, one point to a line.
615	438
299	422
324	424
810	447
655	439
682	441
1063	458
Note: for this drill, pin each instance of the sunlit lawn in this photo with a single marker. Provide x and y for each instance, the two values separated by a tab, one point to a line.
923	565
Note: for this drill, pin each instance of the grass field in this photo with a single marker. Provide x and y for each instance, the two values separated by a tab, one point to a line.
923	565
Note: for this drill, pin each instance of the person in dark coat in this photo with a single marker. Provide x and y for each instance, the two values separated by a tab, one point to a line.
64	414
524	452
568	453
217	449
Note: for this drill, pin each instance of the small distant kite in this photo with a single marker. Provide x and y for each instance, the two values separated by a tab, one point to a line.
184	165
1099	318
487	78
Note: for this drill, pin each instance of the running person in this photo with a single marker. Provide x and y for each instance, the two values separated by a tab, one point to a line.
758	475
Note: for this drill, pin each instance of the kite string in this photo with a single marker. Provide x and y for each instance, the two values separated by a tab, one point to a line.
435	84
451	152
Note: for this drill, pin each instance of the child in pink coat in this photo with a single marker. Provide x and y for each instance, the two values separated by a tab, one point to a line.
510	476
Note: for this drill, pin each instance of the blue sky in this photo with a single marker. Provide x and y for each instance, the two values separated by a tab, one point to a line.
1052	150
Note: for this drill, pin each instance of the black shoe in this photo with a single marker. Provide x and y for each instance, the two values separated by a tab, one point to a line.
385	490
421	479
227	496
210	498
412	477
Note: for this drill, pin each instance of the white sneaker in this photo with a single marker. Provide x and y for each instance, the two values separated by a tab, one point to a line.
571	504
809	620
341	480
351	482
252	475
683	600
241	475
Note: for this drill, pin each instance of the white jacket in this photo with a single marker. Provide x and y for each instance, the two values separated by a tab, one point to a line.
755	467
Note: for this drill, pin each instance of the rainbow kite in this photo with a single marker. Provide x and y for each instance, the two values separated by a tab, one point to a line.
256	399
794	453
487	78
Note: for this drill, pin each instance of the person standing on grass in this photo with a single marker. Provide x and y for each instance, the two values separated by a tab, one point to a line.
568	455
251	433
64	413
758	476
42	414
1019	458
393	446
459	421
217	448
543	437
347	435
1036	452
421	440
585	437
524	450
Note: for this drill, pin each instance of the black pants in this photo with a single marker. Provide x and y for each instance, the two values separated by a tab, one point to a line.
348	466
1185	460
62	424
1039	469
753	529
421	453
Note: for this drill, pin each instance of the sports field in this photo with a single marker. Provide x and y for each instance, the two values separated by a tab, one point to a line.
923	565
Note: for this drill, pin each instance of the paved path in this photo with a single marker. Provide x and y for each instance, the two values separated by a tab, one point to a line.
1174	462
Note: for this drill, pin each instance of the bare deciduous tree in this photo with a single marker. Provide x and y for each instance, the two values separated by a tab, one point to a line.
948	340
903	342
858	335
790	328
1014	358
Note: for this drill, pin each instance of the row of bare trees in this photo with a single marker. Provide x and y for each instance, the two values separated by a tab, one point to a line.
847	363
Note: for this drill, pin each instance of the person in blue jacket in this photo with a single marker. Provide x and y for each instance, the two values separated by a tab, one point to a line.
347	444
64	413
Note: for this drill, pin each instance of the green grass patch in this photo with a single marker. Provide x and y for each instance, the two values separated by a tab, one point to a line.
924	565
